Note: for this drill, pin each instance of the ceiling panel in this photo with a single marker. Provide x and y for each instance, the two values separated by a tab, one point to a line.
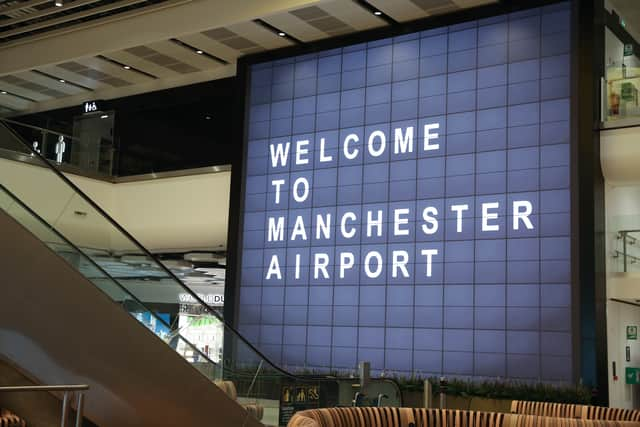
14	103
24	88
141	64
354	15
212	46
400	10
295	26
72	77
185	55
473	3
260	35
114	70
409	10
51	83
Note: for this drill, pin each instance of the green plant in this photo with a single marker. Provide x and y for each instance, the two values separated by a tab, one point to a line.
512	390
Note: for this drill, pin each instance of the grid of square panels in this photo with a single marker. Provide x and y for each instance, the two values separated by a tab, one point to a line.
494	301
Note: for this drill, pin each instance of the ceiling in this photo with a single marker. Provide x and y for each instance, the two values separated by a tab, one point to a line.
59	56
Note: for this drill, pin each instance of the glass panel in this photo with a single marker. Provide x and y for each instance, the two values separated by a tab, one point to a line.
622	64
157	322
622	96
90	150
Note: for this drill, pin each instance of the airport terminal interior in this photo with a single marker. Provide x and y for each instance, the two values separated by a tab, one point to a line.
319	213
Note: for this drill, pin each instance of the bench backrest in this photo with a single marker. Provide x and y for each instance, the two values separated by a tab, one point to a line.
418	417
568	410
8	419
546	409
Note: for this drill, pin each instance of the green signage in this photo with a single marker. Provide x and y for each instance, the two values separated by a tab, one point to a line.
632	332
628	49
632	375
628	91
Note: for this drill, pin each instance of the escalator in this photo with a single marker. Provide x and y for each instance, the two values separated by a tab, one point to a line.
64	221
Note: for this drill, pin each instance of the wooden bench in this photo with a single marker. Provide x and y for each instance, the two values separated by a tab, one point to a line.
8	419
568	410
229	388
546	409
417	417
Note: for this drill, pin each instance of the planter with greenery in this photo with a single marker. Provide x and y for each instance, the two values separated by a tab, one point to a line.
495	396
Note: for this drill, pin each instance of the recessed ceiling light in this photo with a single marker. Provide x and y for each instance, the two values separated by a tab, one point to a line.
4	92
126	67
104	116
377	13
62	81
58	3
199	52
281	34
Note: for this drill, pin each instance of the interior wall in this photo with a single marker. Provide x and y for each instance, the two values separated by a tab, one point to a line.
615	56
189	212
170	214
619	316
622	198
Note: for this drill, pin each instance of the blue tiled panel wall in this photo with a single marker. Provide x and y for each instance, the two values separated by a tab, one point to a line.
498	303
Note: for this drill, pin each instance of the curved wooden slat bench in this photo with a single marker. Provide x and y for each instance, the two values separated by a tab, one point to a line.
8	419
546	409
391	417
416	417
603	413
567	410
229	387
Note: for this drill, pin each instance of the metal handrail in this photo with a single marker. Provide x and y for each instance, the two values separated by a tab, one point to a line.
65	400
624	236
15	388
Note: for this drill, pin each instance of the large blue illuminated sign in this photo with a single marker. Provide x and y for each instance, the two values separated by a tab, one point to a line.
407	202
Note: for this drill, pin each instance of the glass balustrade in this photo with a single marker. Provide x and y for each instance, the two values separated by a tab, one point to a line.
620	93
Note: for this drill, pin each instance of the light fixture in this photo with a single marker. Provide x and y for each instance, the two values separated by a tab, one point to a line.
126	67
207	117
377	13
4	92
62	81
199	52
104	116
59	3
281	34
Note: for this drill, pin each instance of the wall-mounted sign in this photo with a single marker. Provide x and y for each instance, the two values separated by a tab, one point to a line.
628	49
216	300
632	375
91	107
632	332
296	397
407	202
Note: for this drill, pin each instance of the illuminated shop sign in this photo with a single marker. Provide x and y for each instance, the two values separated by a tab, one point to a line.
209	299
406	201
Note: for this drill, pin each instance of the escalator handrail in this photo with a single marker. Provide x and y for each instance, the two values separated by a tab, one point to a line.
142	248
98	267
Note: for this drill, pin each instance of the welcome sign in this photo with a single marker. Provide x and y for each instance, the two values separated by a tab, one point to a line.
407	202
397	223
